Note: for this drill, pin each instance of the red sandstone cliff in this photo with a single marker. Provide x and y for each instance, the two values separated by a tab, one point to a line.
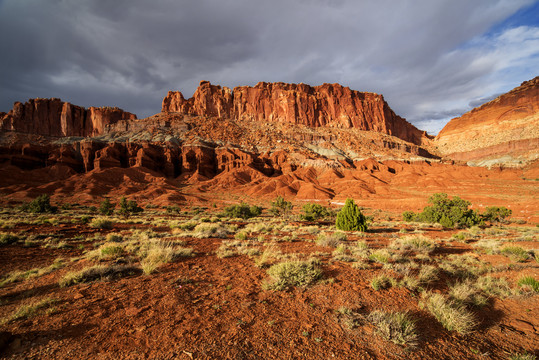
507	126
326	105
53	117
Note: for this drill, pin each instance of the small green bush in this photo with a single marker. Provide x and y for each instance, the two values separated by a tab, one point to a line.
496	213
128	207
280	207
7	238
530	282
106	207
243	211
450	213
312	212
41	204
350	218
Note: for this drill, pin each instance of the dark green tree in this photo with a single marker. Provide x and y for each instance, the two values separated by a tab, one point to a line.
280	207
350	218
106	207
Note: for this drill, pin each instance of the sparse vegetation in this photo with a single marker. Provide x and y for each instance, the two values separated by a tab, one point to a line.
29	310
515	253
8	238
101	223
330	239
106	207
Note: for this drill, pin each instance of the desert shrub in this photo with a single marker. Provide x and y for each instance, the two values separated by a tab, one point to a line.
312	212
243	211
98	272
280	207
106	207
101	223
453	316
408	216
111	251
449	213
529	281
293	273
350	218
174	209
496	213
8	238
156	253
128	207
41	204
397	327
330	239
114	237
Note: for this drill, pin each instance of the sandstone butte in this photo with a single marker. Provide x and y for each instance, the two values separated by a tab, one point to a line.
504	130
53	117
326	105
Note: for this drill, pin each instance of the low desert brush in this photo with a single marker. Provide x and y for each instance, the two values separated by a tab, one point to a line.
467	293
397	327
382	281
29	310
493	286
210	230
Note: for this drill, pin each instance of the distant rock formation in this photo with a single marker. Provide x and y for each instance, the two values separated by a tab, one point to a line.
503	130
53	117
327	105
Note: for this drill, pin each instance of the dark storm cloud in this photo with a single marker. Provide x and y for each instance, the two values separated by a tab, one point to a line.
425	56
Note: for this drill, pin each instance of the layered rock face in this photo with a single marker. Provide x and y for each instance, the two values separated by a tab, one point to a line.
503	130
327	105
53	117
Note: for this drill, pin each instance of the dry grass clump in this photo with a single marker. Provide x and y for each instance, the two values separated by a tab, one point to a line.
267	257
29	310
98	272
489	246
515	253
156	253
463	266
330	239
382	281
237	247
114	238
397	327
428	274
453	316
8	238
467	293
258	227
293	273
529	283
524	356
101	223
18	275
210	230
492	286
382	256
417	243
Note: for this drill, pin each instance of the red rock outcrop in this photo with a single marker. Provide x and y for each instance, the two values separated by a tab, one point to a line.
53	117
506	127
325	105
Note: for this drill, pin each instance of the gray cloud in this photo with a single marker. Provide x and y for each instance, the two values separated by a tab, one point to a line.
427	57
